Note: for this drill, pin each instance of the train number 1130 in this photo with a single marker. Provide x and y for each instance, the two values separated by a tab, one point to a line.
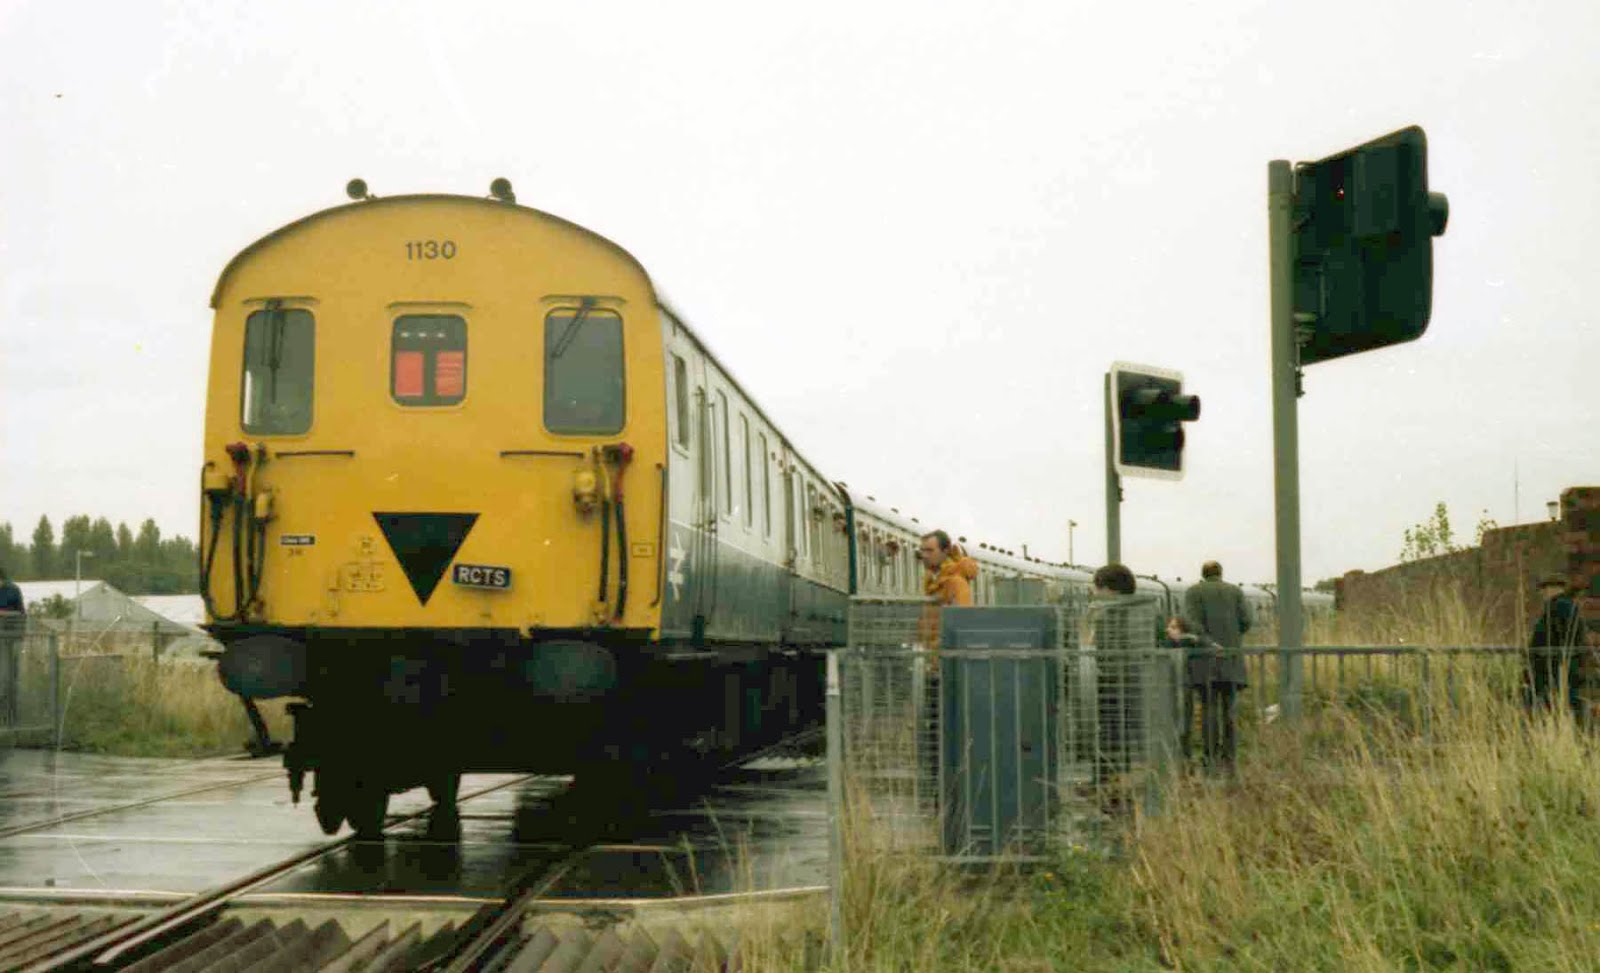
431	250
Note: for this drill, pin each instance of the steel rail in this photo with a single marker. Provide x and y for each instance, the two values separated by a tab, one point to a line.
500	921
485	934
796	740
131	805
106	949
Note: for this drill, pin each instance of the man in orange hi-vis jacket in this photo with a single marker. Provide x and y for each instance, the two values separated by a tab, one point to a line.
947	581
949	573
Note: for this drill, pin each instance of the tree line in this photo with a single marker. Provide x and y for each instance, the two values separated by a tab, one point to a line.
142	563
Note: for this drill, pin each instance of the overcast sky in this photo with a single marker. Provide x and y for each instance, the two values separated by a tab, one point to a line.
919	233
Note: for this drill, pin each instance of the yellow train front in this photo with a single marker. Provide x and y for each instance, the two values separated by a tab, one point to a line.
436	509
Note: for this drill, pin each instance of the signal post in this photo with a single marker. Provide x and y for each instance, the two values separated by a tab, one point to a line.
1350	253
1285	435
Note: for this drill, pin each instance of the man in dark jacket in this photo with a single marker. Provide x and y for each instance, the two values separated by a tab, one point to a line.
1559	635
1212	677
1218	611
11	606
13	615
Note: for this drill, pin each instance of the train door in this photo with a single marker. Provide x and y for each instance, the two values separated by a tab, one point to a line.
688	567
791	546
706	510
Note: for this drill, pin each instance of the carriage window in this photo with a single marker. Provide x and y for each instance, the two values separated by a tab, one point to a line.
583	380
749	480
429	359
727	456
680	382
278	368
813	534
797	510
766	488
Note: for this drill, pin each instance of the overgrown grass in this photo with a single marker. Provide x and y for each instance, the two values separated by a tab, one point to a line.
1349	840
138	707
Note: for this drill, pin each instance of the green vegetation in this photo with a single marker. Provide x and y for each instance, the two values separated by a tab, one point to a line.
138	564
1435	536
138	707
1348	841
128	704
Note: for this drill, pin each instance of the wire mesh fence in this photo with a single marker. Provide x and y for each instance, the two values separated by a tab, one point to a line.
996	733
30	683
986	733
1418	685
105	672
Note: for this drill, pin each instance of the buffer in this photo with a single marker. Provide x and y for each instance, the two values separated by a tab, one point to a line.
424	544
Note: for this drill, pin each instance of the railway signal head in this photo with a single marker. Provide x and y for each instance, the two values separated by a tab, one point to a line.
1149	408
1364	227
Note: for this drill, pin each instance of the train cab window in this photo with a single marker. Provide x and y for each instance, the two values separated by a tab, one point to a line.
680	385
279	359
429	359
583	378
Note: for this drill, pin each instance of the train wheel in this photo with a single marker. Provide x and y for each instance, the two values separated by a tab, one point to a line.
367	808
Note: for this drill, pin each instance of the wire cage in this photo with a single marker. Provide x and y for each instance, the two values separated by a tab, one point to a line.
991	733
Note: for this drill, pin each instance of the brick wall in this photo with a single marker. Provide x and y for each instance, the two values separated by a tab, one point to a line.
1499	577
1580	537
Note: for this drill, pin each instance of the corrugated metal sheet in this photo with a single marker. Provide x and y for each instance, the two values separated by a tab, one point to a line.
29	936
269	946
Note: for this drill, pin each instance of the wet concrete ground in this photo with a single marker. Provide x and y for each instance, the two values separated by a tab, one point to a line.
760	827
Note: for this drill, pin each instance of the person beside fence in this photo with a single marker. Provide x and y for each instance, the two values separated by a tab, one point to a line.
948	572
1553	650
1119	700
1217	609
1212	678
947	580
13	618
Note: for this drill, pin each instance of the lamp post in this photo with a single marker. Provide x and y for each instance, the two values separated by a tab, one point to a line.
1071	525
77	582
1553	508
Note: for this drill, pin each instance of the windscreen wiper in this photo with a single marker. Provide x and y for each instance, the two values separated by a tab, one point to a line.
572	328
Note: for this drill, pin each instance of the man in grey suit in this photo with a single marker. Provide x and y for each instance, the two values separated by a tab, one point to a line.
1217	611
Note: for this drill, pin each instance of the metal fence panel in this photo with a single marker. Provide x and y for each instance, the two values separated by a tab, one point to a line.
30	685
986	733
44	662
991	732
1000	691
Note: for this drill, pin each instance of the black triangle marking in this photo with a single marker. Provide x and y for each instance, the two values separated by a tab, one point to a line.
425	544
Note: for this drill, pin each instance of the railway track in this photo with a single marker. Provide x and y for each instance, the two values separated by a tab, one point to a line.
239	926
94	946
134	805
